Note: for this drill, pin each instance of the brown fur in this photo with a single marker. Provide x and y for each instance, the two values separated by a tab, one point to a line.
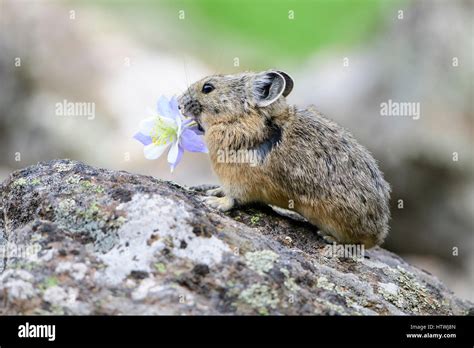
316	166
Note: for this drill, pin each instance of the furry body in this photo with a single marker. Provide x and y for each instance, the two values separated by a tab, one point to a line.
305	162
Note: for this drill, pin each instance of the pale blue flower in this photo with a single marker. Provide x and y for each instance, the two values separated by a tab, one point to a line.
169	128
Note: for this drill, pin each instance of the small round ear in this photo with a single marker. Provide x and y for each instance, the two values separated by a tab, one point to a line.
289	83
268	87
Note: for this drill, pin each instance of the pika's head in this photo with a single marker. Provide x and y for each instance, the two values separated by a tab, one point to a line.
230	98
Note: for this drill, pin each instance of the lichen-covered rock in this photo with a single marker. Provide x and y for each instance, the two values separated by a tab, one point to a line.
81	240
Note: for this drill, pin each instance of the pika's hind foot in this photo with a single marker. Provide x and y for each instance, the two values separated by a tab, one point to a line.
218	192
220	203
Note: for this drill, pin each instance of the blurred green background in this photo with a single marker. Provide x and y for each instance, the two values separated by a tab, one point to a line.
286	30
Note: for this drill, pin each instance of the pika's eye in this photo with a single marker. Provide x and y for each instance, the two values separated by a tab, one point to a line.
207	88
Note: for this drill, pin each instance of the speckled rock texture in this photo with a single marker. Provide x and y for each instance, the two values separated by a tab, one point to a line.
81	240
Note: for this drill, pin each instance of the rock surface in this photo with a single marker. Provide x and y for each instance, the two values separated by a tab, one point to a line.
82	240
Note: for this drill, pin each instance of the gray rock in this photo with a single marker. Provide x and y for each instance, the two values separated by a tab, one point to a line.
82	240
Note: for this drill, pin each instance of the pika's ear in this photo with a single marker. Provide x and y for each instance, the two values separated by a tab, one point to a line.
289	83
269	86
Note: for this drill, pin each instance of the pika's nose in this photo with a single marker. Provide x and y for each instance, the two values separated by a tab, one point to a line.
180	107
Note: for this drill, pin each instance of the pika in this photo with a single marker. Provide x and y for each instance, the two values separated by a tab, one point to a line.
300	160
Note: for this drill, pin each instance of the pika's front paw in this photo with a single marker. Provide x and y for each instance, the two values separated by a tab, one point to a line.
220	203
215	192
327	237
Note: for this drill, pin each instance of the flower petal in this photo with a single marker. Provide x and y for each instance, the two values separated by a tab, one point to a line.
167	122
173	153
178	158
195	129
192	142
147	125
144	139
164	108
153	151
174	104
187	121
178	119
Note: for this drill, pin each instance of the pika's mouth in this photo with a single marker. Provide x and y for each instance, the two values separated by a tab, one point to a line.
193	109
199	126
195	118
